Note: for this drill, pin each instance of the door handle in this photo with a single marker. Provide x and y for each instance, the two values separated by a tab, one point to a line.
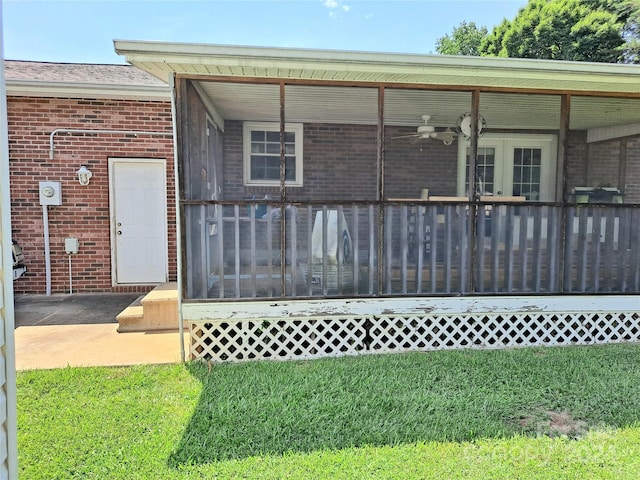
119	232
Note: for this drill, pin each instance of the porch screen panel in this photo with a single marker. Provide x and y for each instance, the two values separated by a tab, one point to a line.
331	243
201	183
517	248
421	142
601	249
331	250
424	243
604	147
339	139
231	246
521	131
425	248
325	252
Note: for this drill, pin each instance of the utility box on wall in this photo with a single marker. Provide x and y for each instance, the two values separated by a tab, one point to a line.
50	193
71	245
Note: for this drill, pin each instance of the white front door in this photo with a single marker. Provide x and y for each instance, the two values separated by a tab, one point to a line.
511	165
139	220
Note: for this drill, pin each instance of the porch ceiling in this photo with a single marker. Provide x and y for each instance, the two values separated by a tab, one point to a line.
358	105
342	104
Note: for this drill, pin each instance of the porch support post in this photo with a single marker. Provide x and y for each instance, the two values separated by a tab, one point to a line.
561	183
563	139
473	154
283	198
183	221
622	166
473	195
380	192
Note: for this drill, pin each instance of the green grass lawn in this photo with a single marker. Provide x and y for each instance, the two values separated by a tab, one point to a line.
530	413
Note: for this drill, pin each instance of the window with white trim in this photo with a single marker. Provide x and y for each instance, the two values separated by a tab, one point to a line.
261	146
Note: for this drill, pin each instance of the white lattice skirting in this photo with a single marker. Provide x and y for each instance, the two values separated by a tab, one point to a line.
331	328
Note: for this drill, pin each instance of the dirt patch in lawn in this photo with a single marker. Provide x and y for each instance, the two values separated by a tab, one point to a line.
554	424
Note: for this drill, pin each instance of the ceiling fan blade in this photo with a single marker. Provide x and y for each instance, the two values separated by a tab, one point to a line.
446	135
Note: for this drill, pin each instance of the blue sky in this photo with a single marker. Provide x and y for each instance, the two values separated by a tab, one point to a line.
83	31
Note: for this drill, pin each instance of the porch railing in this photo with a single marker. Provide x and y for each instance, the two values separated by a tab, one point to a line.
238	250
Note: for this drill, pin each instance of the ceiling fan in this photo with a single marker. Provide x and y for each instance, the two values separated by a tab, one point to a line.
429	131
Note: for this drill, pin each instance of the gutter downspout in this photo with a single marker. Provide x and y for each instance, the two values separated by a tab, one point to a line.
176	183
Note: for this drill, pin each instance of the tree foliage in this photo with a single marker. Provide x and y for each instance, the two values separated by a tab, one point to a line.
464	40
578	30
629	10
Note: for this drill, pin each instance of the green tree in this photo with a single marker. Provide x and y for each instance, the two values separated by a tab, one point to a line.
492	43
464	40
629	10
579	30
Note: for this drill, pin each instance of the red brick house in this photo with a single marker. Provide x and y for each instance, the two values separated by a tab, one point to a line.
336	203
116	121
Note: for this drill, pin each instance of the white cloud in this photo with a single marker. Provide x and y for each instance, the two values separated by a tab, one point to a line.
333	5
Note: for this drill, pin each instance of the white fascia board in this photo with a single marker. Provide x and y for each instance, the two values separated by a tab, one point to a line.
124	47
78	90
445	69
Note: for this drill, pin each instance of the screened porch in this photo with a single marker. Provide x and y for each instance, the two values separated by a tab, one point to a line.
294	190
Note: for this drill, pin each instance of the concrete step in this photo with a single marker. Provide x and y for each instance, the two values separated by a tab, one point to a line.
130	318
157	310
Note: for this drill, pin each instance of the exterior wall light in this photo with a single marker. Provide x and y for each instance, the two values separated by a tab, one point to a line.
84	175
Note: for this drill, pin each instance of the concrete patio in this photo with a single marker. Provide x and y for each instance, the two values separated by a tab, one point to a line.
81	330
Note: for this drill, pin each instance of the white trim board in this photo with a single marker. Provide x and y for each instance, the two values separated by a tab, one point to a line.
610	133
407	306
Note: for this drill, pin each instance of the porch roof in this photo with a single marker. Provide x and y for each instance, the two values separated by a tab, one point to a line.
161	58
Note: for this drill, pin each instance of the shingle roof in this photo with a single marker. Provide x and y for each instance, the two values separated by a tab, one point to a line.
79	73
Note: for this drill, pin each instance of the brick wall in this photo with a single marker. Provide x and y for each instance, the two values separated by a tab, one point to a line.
610	163
85	210
632	174
616	163
413	165
340	164
576	167
604	163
